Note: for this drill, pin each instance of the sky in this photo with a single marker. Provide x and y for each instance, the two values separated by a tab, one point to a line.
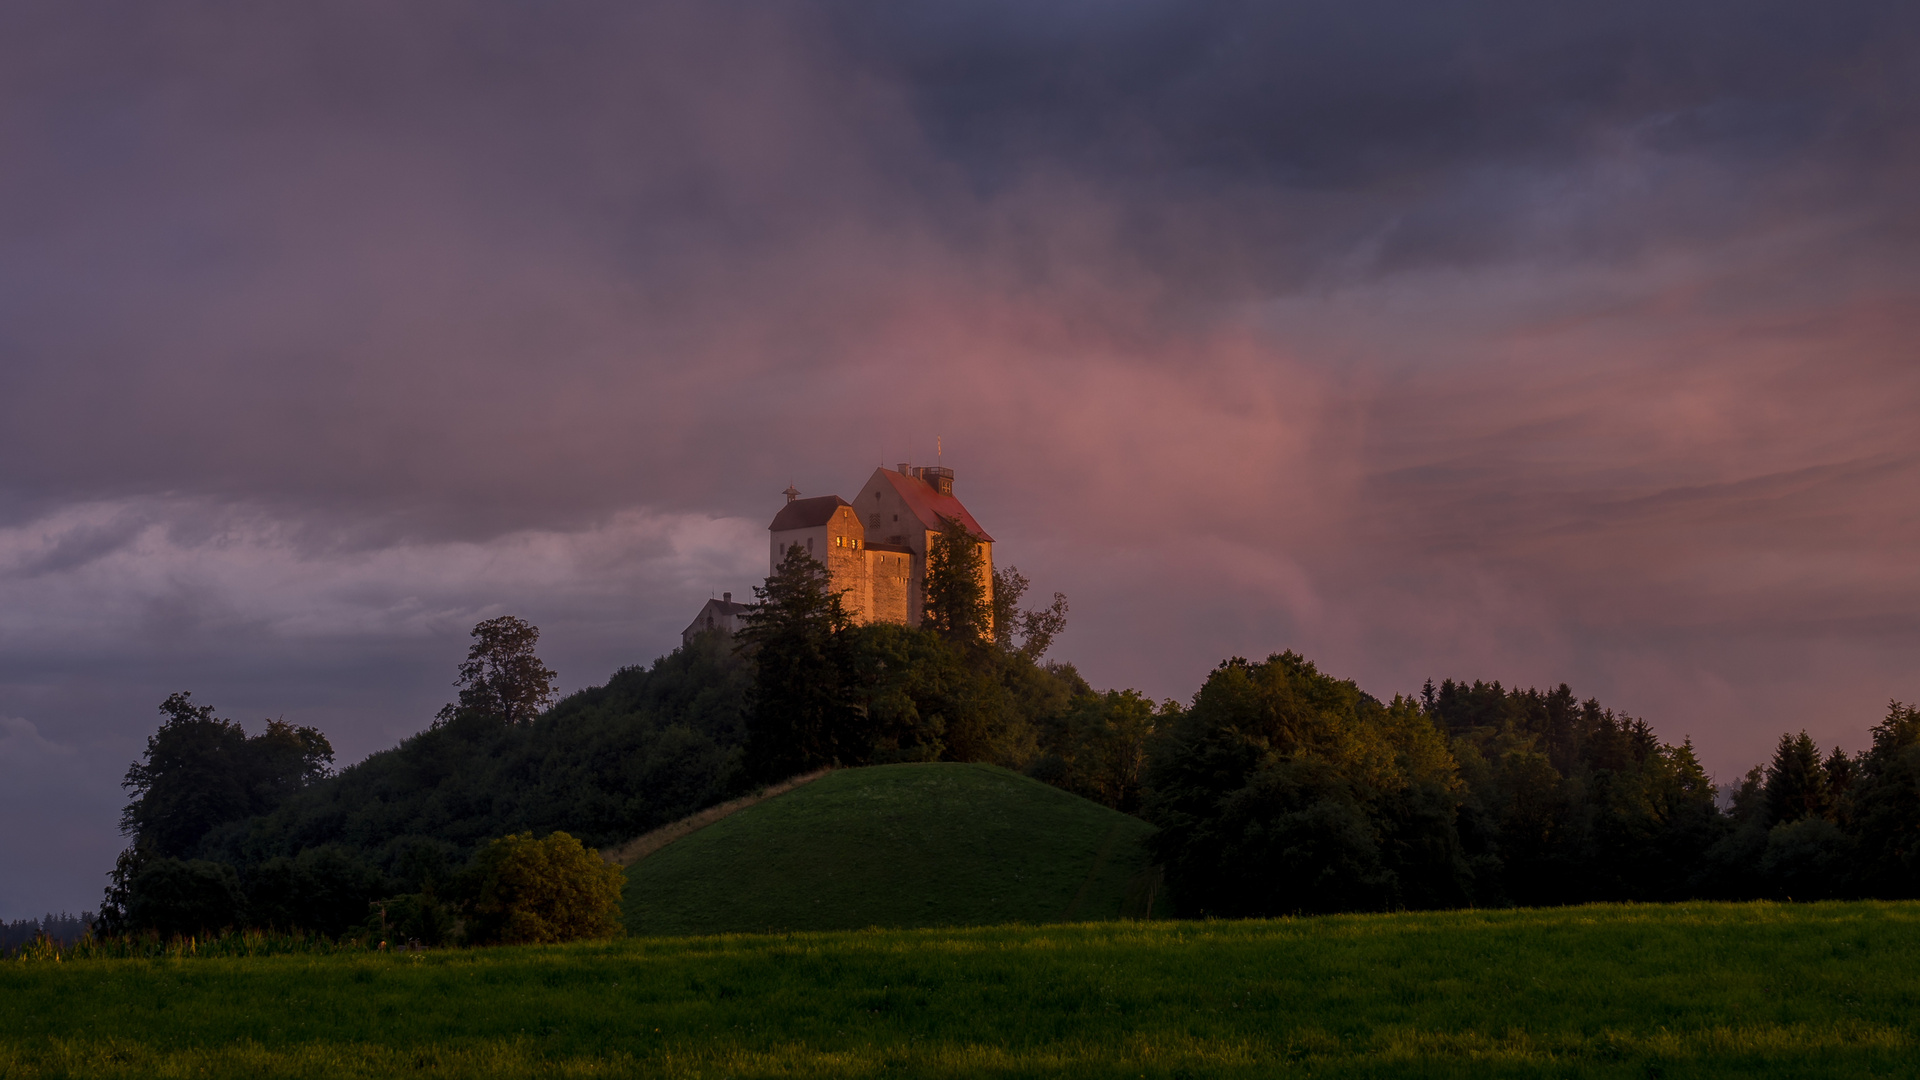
1481	340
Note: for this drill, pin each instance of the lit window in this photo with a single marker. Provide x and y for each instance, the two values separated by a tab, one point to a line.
854	543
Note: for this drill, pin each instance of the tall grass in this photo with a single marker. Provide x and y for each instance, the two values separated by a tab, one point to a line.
1696	990
228	944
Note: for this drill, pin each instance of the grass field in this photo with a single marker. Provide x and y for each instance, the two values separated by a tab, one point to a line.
897	846
1684	991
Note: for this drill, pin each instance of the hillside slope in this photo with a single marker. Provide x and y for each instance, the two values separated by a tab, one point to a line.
605	764
898	846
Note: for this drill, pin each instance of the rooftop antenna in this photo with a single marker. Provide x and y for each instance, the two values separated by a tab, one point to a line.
936	449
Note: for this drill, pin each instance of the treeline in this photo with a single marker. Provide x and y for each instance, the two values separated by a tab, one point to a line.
1278	789
1284	790
64	929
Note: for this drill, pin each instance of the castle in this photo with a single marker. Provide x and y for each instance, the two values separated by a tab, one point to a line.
874	548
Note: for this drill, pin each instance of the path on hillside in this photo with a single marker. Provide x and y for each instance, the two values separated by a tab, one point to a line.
646	844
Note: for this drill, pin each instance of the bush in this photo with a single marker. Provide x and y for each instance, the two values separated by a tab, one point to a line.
182	897
415	917
524	891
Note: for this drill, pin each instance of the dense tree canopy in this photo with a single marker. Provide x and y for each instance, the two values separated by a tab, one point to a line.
1284	790
1277	789
200	771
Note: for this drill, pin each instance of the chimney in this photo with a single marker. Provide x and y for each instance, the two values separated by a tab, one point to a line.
726	597
903	469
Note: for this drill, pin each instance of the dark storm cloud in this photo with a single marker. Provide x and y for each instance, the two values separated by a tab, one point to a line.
1414	105
1509	340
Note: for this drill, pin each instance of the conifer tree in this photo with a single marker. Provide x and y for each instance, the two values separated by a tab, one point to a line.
1796	781
1886	805
801	712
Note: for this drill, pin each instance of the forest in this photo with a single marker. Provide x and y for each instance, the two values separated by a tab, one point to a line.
1277	789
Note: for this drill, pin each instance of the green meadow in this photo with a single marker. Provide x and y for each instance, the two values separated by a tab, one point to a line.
1695	990
899	846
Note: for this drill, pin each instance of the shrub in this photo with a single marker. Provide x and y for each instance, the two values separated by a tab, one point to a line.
527	891
417	917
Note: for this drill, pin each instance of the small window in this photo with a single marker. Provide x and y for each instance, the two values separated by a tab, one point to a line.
853	542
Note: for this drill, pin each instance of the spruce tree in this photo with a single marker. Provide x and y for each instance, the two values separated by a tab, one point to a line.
1886	805
801	713
1797	781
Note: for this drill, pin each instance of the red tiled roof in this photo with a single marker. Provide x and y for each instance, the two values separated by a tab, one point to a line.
806	513
930	506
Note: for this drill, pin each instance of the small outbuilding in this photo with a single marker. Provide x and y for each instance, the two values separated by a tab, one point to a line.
721	614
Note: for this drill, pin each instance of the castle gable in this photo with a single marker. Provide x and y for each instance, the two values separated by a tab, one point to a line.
806	513
926	502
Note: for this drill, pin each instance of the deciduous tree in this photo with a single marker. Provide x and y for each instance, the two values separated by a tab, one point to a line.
502	681
957	605
524	891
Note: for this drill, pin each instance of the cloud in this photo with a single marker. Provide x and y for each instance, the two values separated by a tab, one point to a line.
1467	339
21	742
162	569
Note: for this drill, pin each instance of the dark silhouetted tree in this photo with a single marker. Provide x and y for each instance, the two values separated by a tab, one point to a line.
200	772
1035	629
1796	782
502	681
802	712
1886	806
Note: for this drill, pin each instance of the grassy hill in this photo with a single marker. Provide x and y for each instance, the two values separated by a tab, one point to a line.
1622	993
897	846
